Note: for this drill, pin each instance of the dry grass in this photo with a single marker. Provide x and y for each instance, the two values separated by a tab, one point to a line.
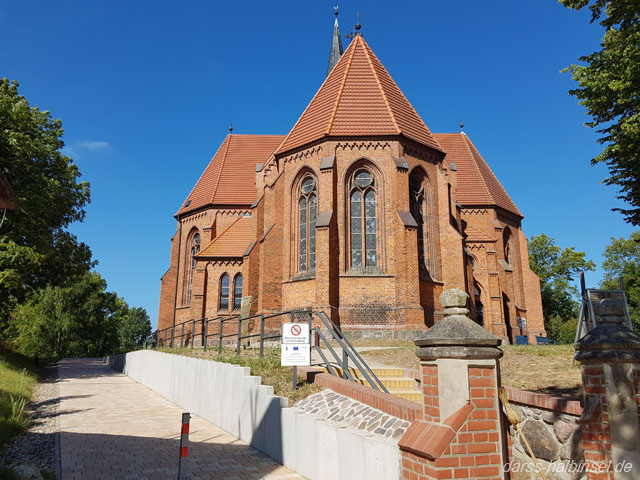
268	367
539	368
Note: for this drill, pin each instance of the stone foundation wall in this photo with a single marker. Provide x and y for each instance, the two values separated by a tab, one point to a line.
554	437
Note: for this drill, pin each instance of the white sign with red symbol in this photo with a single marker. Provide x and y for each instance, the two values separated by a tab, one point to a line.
295	350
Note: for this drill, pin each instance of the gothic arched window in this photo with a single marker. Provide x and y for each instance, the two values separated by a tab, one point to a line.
421	208
307	211
237	291
193	251
417	207
362	220
223	303
506	241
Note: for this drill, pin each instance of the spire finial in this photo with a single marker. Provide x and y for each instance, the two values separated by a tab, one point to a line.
355	31
230	127
461	125
336	44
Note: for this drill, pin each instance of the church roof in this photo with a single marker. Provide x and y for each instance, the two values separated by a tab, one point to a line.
474	235
232	242
476	183
358	97
230	177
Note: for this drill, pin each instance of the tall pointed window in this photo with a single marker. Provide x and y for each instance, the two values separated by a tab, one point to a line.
362	220
195	248
223	304
237	291
422	212
307	211
417	208
506	241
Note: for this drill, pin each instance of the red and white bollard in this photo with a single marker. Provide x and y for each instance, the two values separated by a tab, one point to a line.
184	444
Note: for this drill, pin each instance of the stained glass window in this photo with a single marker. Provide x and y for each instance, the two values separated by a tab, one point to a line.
237	291
307	211
362	219
195	248
417	206
224	292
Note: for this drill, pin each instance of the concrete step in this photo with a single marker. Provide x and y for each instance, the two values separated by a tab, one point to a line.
411	395
378	372
392	383
393	379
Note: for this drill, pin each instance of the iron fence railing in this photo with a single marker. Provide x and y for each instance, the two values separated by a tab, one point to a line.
168	337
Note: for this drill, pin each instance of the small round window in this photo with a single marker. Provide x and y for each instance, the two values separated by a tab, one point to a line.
307	185
363	178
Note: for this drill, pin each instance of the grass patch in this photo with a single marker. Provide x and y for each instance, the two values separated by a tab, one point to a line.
267	367
18	375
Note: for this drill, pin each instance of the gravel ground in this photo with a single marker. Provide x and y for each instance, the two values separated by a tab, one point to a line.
37	445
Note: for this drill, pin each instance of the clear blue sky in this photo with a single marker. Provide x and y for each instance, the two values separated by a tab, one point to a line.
146	91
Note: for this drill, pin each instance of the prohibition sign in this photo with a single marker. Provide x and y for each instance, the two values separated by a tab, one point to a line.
296	330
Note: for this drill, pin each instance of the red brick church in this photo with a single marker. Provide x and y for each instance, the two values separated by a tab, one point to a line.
360	211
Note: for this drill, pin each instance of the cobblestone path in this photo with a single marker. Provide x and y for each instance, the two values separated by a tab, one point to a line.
113	428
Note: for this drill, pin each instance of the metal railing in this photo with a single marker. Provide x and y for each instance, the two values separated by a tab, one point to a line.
169	338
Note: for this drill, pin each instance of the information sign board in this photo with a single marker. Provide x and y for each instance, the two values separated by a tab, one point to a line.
295	349
295	355
295	333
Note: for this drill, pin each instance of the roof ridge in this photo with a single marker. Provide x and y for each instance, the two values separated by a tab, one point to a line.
368	48
384	95
202	174
224	159
310	103
342	84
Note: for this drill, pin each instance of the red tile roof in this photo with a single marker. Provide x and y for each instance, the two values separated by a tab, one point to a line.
230	177
232	242
476	183
358	97
475	235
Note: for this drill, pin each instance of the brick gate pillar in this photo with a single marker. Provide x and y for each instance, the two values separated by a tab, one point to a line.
460	434
610	364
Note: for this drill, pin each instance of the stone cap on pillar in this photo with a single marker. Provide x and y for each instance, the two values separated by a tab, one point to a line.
456	335
612	340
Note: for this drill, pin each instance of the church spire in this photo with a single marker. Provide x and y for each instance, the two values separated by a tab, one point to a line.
336	44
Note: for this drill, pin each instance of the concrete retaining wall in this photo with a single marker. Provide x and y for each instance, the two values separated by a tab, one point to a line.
230	397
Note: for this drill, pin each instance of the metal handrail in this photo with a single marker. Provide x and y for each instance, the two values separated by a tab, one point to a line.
348	350
352	353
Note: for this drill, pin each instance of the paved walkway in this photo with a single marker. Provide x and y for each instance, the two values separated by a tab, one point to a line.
113	428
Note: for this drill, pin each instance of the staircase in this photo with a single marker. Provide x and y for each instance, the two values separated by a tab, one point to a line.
394	379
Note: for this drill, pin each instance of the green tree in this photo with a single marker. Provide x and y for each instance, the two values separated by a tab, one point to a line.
608	88
557	268
134	327
622	260
50	196
67	321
